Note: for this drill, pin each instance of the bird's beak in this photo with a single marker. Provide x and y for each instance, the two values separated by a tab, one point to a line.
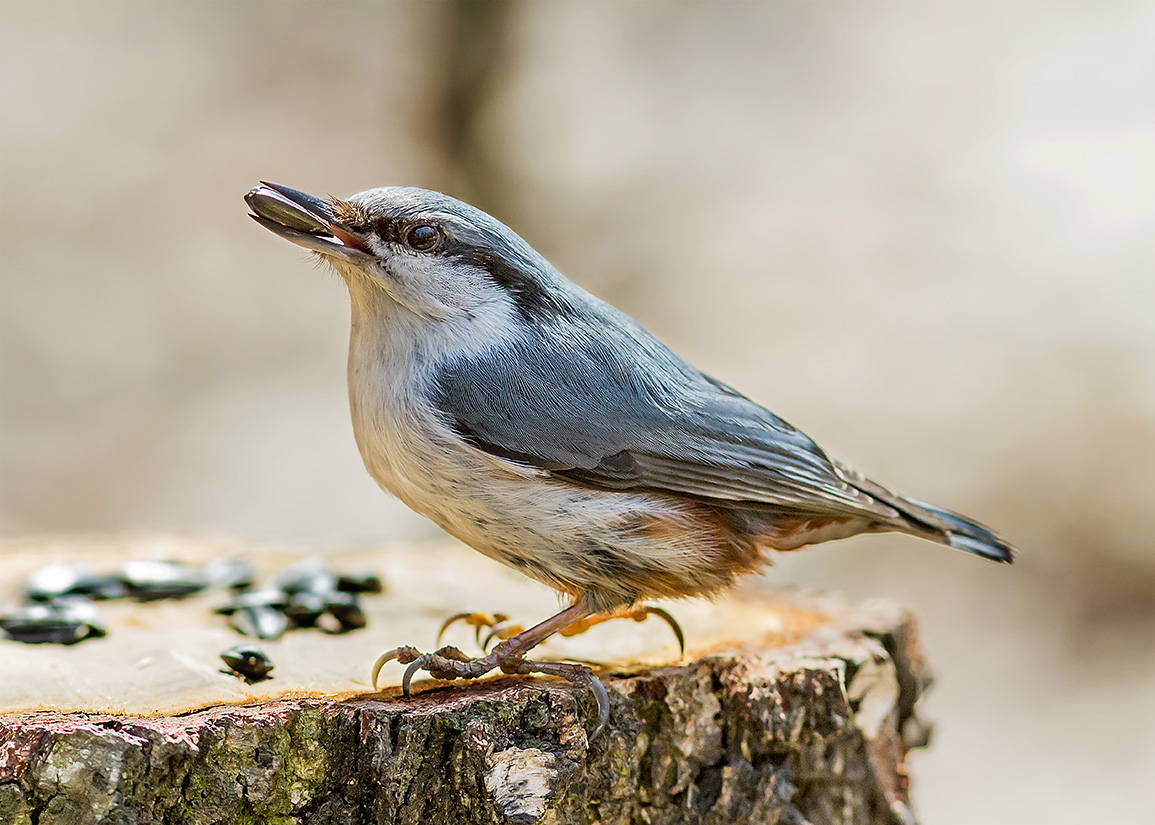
306	221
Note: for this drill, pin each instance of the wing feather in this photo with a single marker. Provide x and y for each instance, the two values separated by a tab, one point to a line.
606	405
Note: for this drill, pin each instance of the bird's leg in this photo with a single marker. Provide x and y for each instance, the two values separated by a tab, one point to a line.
501	628
509	656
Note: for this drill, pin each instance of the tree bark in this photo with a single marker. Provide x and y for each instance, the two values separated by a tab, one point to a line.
808	728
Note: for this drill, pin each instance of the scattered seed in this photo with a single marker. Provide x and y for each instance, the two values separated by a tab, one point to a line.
249	662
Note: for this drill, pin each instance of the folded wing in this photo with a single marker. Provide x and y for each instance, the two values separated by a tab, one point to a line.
567	402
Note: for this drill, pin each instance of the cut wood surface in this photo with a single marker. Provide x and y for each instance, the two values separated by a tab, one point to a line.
787	708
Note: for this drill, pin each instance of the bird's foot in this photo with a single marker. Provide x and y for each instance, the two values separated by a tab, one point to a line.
501	627
638	614
450	663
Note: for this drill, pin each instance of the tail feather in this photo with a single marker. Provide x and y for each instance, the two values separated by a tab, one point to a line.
934	523
963	534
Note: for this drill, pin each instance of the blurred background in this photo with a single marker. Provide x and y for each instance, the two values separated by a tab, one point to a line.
924	233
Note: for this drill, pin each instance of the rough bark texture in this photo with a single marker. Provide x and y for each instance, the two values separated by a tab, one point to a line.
813	731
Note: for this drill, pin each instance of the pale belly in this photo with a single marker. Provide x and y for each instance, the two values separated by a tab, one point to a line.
610	548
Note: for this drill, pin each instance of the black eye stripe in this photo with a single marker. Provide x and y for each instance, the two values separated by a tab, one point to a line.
386	229
533	299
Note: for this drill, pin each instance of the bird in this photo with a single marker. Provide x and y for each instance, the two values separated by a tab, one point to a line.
551	432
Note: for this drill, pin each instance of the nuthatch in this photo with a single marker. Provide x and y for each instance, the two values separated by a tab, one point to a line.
549	431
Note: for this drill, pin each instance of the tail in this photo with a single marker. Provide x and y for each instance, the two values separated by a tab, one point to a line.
934	523
960	532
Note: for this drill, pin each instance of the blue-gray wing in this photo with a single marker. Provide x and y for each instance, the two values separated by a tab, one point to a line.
606	405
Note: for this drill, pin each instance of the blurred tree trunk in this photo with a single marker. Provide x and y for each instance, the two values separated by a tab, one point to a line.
478	52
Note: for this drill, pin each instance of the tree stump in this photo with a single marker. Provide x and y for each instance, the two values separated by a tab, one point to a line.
787	708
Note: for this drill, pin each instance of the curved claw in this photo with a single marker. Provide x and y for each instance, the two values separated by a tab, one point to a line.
602	697
500	631
488	640
456	617
478	620
573	673
496	621
408	677
638	614
664	615
404	654
585	677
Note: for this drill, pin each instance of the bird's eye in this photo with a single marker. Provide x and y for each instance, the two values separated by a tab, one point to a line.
422	237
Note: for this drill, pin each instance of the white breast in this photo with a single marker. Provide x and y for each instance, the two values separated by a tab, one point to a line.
393	355
565	536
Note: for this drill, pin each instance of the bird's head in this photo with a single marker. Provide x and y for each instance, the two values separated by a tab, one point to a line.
434	255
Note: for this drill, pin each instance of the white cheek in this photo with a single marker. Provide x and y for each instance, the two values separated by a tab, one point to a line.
457	286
